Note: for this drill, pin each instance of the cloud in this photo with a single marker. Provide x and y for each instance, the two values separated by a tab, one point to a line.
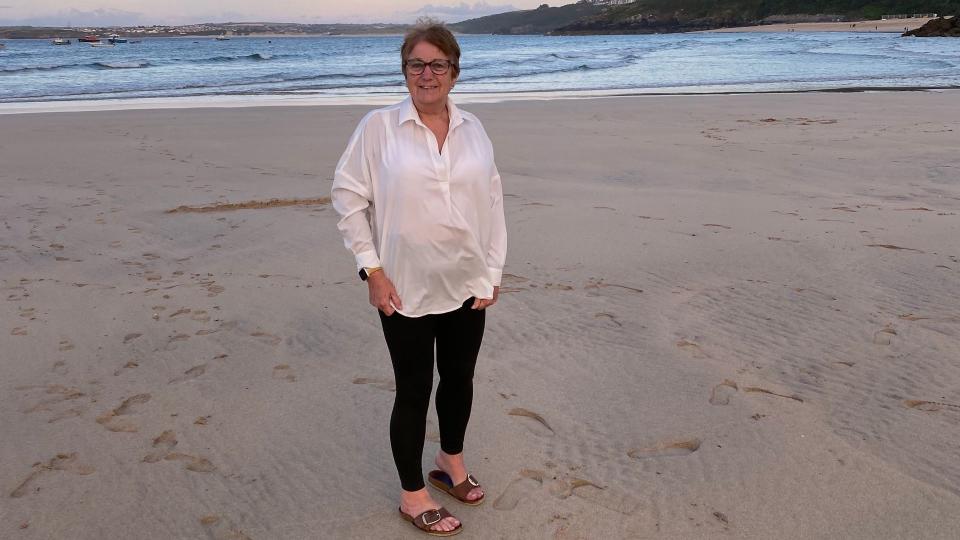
460	12
75	17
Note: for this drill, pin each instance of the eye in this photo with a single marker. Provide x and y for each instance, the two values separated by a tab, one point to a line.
415	65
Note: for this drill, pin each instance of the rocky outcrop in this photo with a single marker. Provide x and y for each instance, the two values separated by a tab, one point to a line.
940	27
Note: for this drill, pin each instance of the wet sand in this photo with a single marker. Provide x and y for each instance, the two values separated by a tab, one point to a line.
722	316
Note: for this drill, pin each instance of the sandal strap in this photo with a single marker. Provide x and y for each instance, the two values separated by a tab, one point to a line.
426	520
462	489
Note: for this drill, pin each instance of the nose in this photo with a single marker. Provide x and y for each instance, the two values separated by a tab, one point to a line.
427	74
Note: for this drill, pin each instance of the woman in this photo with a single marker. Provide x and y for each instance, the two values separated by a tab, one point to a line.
422	212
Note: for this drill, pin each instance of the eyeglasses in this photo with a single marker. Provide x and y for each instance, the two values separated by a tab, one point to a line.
416	66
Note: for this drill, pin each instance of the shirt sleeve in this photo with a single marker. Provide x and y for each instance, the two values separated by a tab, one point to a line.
497	252
352	197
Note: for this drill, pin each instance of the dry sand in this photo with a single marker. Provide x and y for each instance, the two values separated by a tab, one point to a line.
888	25
723	317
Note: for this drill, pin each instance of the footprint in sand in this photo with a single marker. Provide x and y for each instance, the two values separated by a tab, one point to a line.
382	384
524	485
112	419
130	337
267	338
284	372
721	393
219	528
65	345
129	365
929	406
533	421
693	348
62	462
680	447
163	446
190	374
59	396
609	318
884	335
19	331
622	503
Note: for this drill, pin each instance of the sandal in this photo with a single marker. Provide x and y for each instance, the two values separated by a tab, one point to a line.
428	519
444	483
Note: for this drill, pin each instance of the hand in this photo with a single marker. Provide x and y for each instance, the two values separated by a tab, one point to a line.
484	303
383	295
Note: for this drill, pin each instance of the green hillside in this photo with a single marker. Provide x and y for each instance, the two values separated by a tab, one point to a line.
530	21
658	16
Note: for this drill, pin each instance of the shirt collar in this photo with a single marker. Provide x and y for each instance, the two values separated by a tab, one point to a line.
408	112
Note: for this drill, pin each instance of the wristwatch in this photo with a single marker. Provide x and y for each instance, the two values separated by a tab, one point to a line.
367	272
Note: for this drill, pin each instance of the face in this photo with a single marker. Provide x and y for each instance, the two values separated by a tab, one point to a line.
427	89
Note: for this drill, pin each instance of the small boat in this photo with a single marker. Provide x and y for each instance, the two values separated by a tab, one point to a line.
114	38
61	41
222	38
102	44
89	39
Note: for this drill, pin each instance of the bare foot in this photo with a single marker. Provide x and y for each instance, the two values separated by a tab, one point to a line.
414	503
457	471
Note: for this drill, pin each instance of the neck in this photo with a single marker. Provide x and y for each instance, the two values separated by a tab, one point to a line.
436	111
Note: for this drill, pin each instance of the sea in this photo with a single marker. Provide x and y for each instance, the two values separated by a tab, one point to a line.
369	66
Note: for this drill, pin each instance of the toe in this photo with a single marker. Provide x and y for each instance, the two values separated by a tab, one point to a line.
446	525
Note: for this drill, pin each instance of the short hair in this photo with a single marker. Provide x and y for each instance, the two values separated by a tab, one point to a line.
435	33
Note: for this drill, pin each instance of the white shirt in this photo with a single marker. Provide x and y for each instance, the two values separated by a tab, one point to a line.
433	220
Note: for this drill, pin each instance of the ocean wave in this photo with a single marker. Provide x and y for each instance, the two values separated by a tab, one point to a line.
83	65
122	65
253	57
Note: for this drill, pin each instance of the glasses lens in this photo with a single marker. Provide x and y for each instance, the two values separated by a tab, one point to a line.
439	67
415	67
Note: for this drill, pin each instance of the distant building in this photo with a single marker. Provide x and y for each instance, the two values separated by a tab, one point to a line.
609	2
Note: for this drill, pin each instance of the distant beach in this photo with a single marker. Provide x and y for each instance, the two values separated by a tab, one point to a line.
881	25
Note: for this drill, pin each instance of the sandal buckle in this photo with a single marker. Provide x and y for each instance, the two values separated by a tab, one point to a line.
473	481
423	517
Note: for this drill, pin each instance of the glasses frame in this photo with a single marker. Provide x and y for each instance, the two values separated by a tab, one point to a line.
431	63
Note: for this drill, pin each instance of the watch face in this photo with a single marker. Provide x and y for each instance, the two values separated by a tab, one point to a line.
363	274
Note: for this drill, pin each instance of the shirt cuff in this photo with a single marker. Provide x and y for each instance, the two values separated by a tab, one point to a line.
368	259
496	274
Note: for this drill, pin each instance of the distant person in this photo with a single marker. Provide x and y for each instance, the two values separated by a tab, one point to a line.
422	212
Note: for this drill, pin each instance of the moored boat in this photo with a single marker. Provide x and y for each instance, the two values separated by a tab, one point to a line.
61	41
89	39
101	44
114	38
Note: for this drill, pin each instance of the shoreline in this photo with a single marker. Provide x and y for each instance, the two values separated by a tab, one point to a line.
878	26
277	100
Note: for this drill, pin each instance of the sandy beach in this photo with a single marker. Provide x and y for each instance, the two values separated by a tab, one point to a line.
729	316
880	25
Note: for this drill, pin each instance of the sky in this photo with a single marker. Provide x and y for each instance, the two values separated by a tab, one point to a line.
148	12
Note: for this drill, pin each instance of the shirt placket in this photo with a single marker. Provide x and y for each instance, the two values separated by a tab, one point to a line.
441	164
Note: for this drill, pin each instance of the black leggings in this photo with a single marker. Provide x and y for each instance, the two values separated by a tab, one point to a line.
457	335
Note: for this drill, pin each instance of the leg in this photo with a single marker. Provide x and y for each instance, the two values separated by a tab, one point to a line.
410	341
459	335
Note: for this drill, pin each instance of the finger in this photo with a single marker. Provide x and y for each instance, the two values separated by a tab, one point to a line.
387	310
395	298
476	304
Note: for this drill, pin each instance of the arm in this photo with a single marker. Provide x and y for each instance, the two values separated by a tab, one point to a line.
352	198
497	251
